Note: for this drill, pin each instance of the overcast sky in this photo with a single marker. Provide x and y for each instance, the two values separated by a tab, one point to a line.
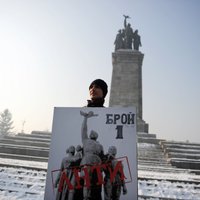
50	51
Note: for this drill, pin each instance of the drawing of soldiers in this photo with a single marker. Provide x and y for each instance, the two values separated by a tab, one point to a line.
67	164
112	190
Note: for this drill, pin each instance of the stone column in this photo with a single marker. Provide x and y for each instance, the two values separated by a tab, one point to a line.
126	84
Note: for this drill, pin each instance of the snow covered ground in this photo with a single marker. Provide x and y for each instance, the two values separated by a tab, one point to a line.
21	183
169	185
29	184
167	189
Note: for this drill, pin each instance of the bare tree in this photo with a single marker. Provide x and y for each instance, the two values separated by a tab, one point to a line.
5	122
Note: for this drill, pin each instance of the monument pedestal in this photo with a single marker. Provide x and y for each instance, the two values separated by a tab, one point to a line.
126	84
142	126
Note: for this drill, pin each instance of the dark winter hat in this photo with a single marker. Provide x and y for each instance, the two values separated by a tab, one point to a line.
102	84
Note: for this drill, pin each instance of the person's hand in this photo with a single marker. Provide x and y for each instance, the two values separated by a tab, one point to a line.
88	115
83	113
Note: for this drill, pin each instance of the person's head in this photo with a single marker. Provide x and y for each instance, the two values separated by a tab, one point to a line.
93	135
112	150
78	148
71	150
98	89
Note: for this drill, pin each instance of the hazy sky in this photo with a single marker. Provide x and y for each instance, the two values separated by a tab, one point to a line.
50	51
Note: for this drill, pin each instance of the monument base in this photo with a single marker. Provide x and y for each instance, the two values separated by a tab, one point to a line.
142	126
126	84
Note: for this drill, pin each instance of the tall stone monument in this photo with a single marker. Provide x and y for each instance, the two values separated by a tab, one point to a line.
126	83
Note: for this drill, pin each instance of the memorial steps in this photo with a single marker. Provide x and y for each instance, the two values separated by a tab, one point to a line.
158	175
34	147
21	183
182	155
24	141
154	156
23	166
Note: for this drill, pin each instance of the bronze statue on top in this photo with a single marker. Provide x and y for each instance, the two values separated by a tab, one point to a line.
136	40
127	38
119	41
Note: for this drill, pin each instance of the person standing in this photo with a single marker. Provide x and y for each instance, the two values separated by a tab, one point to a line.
136	40
92	149
119	42
112	190
128	33
92	155
64	193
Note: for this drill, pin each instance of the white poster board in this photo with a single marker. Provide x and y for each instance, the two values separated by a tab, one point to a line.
115	127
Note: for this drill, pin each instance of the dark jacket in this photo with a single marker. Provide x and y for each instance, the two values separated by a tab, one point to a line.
96	103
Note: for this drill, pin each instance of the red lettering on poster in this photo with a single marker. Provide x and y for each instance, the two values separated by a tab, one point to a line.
118	169
84	175
64	179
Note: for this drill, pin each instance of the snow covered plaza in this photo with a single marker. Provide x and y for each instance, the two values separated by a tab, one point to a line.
166	170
